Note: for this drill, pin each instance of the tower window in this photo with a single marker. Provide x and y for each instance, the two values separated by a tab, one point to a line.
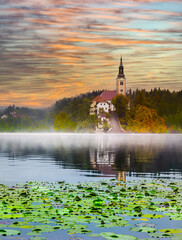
121	90
121	83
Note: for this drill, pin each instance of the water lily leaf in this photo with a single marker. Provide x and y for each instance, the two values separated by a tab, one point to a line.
159	235
12	216
27	226
98	202
179	230
9	232
120	223
78	229
47	207
64	211
143	229
140	219
111	236
43	229
174	216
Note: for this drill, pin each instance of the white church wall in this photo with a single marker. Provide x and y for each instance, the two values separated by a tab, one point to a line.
104	106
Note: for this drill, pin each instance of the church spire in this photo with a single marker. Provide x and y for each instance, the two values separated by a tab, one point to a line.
121	61
121	80
121	69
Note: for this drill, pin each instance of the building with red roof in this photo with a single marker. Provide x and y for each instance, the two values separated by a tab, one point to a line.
104	101
108	94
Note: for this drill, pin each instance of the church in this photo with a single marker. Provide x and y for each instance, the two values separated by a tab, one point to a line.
103	101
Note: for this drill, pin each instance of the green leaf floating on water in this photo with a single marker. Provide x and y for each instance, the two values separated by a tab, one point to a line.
160	235
175	230
39	208
9	232
111	236
98	202
79	229
39	229
119	223
143	229
174	216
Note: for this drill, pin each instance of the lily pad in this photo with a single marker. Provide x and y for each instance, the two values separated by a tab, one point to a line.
176	230
159	235
112	236
143	229
9	232
152	216
48	207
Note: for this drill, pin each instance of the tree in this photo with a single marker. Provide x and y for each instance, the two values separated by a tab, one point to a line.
64	123
120	102
147	120
140	98
106	126
87	125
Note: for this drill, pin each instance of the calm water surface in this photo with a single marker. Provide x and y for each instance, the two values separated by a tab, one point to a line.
88	157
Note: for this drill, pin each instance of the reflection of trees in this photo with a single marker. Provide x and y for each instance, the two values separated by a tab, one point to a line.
72	157
112	158
136	159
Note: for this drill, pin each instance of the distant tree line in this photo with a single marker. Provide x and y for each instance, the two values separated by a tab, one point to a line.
24	119
67	114
140	111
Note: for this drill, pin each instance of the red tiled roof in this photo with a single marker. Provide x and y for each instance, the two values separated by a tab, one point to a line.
108	94
98	99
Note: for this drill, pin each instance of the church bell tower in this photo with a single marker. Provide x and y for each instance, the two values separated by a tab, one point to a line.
121	80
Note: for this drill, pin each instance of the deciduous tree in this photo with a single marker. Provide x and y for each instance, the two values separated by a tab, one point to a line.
64	123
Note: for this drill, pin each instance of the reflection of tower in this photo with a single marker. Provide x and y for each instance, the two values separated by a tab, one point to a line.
121	176
121	80
103	159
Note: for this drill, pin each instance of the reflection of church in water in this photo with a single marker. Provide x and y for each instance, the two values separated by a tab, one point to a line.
104	160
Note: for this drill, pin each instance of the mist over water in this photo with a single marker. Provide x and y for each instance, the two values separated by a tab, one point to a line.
88	157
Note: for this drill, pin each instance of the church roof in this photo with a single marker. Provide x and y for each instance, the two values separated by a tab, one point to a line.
98	99
108	94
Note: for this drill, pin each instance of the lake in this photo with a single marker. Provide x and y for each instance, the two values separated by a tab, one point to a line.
90	187
88	157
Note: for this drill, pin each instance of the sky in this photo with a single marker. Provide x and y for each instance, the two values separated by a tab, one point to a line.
51	49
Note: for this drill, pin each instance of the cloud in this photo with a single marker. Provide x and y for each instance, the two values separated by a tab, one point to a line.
49	47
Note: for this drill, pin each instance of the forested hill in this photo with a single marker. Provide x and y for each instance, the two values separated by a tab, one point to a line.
143	106
15	118
167	104
72	104
154	111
